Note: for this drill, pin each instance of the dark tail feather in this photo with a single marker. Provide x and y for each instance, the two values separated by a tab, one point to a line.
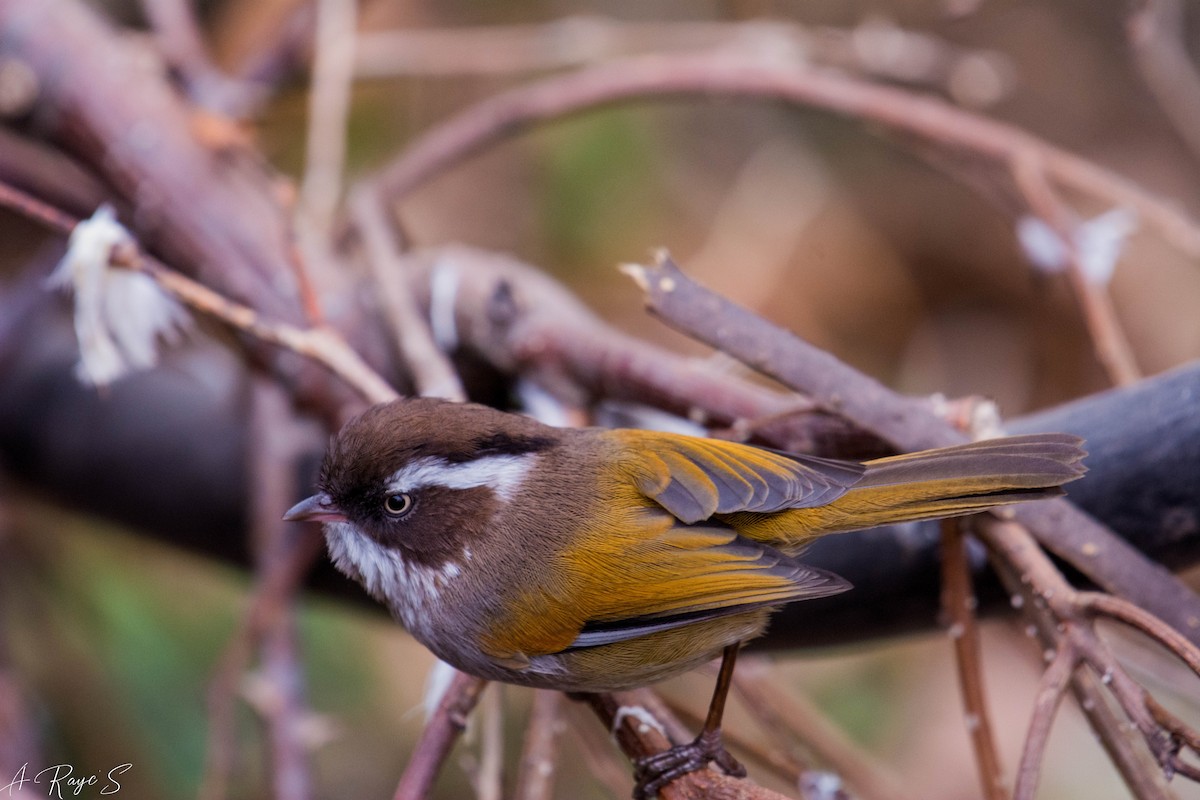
957	480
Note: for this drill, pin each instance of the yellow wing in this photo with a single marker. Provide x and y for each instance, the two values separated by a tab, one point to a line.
688	574
695	478
654	574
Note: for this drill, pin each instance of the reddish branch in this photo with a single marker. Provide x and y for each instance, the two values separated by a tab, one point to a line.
788	716
1064	619
442	730
539	757
931	122
958	601
1156	33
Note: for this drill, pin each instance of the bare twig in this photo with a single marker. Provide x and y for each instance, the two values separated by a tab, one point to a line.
1063	622
29	206
1108	338
267	603
1156	30
182	44
1050	693
1180	731
874	48
438	737
431	370
329	105
791	716
958	601
926	119
282	705
1117	608
218	219
323	345
535	779
34	167
912	425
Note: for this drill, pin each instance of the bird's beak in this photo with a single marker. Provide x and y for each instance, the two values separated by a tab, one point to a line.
318	508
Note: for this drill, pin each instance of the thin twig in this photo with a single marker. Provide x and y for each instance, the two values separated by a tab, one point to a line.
273	453
442	730
1180	731
329	106
1062	622
539	756
31	207
1050	693
1122	610
1156	33
323	345
958	601
873	48
431	370
489	772
267	602
1108	337
927	119
791	715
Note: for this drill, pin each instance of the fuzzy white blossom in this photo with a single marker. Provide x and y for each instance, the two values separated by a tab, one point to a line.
1098	241
120	315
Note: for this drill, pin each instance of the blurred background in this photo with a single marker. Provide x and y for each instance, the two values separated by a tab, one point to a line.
108	640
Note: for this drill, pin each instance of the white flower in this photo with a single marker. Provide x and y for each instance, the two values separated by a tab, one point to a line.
1098	242
120	314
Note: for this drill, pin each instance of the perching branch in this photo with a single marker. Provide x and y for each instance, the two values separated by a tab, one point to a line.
639	733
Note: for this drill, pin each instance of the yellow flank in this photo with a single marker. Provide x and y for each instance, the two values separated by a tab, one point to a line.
641	563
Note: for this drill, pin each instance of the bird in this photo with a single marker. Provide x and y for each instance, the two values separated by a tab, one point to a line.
595	559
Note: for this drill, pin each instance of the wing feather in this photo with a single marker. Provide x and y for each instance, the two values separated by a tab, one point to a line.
694	478
655	574
711	572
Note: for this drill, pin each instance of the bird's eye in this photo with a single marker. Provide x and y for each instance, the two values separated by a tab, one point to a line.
397	505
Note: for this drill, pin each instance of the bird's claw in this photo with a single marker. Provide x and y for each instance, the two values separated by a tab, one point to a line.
656	771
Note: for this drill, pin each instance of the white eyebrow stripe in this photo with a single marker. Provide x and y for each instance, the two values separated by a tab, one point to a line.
504	474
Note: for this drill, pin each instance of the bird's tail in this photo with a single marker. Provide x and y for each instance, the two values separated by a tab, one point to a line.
957	480
945	482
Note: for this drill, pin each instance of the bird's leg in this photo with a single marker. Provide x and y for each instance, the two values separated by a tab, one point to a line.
656	771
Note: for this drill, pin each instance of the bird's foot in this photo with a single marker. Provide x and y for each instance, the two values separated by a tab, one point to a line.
656	771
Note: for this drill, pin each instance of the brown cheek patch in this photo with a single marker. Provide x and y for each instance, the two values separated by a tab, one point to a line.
442	523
